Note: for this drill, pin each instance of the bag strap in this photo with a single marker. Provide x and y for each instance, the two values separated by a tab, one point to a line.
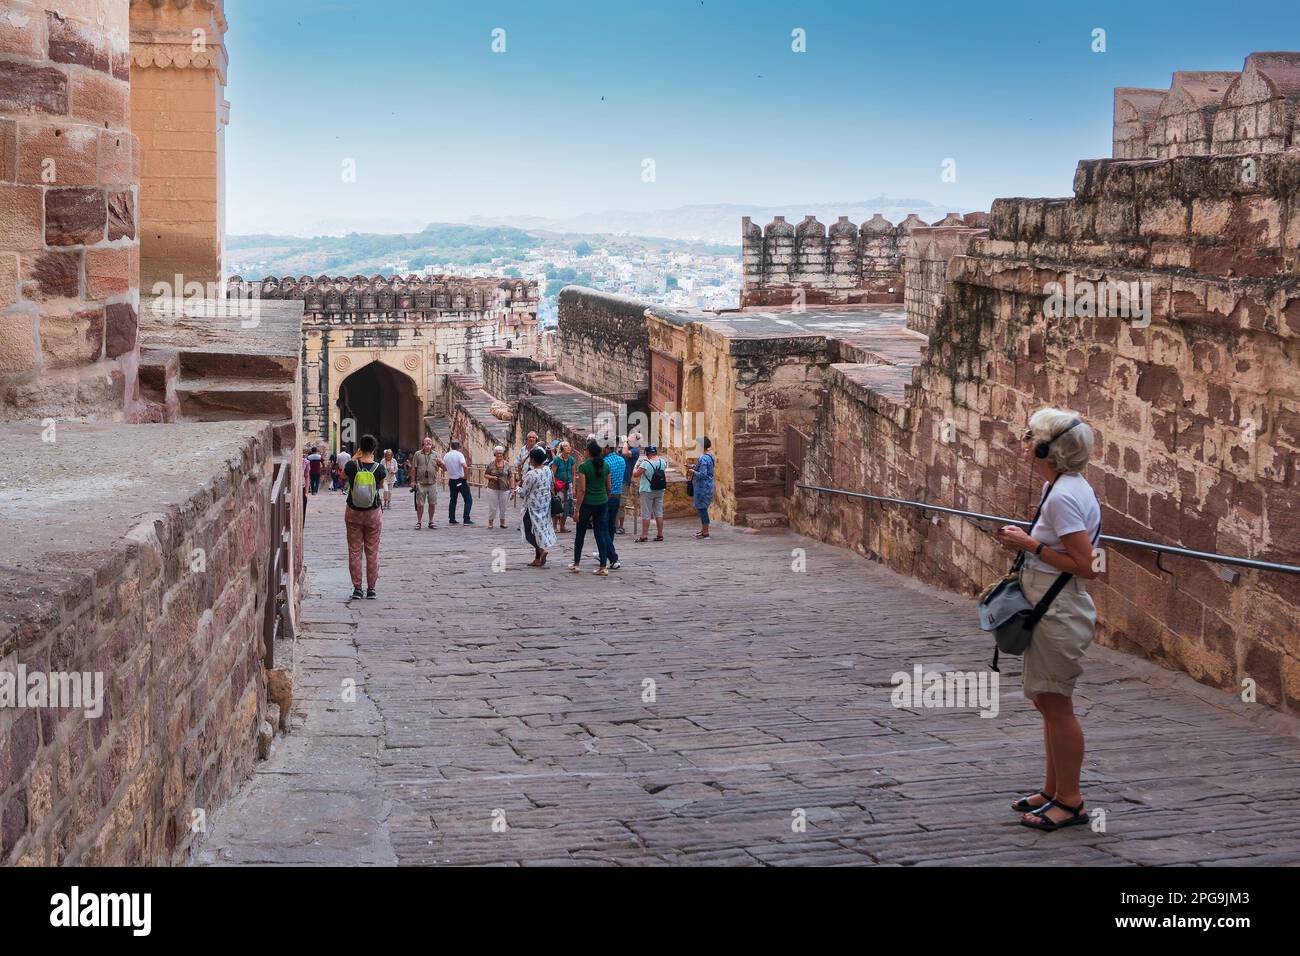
1020	558
1061	581
1045	604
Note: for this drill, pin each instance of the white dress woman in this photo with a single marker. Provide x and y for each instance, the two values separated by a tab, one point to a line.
536	528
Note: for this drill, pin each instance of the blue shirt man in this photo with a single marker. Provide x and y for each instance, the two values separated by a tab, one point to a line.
617	468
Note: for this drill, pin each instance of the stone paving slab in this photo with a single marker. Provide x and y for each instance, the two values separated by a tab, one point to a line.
502	717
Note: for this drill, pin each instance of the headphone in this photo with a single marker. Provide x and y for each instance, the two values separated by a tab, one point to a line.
1043	448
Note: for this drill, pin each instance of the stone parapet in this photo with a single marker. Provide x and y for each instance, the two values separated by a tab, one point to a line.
807	264
602	344
160	596
1215	112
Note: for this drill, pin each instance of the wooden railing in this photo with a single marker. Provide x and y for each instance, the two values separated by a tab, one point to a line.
276	591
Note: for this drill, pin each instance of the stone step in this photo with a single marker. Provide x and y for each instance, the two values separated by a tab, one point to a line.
764	519
216	364
159	368
159	371
217	399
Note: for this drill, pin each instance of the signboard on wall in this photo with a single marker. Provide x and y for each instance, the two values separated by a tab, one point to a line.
665	382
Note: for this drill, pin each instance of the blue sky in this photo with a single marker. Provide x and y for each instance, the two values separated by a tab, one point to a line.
440	127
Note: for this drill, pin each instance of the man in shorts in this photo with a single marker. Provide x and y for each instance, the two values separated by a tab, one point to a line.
651	470
425	465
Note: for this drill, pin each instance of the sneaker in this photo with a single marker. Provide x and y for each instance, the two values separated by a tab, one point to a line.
614	566
370	592
467	521
602	570
574	568
453	521
619	531
357	594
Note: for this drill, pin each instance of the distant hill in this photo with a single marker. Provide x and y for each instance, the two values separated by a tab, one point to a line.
447	244
718	222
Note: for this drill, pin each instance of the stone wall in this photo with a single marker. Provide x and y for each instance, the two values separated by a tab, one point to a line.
158	593
602	341
1197	412
741	392
69	257
806	264
1215	112
505	372
929	250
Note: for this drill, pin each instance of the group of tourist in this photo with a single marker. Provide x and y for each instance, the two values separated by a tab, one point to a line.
1054	556
316	467
552	485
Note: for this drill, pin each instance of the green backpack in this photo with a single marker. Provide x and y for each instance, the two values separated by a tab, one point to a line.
363	487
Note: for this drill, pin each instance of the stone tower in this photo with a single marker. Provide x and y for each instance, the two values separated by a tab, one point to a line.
179	112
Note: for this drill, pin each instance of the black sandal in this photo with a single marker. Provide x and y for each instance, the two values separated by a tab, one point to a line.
1023	806
1044	822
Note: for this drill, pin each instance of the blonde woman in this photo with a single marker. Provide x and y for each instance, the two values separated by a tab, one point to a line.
1058	445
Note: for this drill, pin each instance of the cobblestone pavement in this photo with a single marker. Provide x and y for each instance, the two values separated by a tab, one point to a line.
501	717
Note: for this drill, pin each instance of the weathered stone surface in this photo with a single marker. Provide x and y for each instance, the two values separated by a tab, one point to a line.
29	88
121	215
457	723
74	217
56	275
77	43
602	341
183	702
121	330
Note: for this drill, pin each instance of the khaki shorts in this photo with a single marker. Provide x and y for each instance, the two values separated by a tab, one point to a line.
427	493
652	504
1053	661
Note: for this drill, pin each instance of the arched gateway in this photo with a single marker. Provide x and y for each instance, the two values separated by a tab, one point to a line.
383	402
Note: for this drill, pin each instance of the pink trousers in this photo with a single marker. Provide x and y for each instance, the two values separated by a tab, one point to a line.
363	534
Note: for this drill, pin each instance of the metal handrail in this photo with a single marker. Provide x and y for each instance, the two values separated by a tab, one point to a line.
1112	539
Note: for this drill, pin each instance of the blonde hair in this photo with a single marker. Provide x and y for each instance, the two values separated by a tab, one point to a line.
1071	447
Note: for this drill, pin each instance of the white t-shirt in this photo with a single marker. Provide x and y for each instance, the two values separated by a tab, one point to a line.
342	458
454	462
1072	506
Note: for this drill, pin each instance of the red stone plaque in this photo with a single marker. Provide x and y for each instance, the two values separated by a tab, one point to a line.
665	382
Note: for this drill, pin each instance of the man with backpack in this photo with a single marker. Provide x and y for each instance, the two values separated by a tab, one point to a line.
363	516
652	471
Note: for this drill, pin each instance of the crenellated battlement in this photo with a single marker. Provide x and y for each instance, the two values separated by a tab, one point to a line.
1212	112
845	264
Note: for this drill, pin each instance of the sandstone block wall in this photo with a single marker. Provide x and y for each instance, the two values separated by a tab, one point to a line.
1198	413
69	255
748	390
160	594
808	264
929	250
505	372
603	344
179	112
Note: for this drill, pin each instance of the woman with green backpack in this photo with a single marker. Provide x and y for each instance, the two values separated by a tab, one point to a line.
363	516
